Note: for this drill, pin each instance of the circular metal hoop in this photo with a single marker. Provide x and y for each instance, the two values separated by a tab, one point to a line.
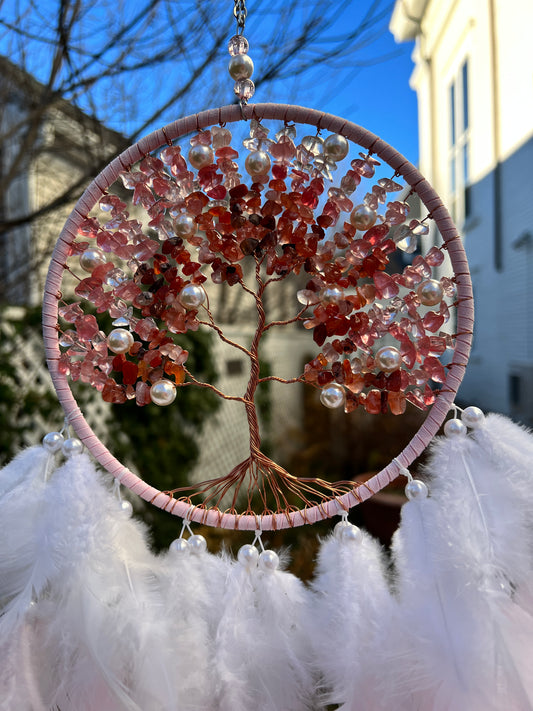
229	114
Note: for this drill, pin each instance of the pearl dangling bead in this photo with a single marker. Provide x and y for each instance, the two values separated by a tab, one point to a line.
72	446
184	225
163	392
197	544
332	396
416	489
388	359
268	561
92	258
119	340
430	292
257	163
363	217
240	66
336	147
200	156
192	296
473	417
351	534
248	556
454	428
126	507
53	441
340	527
180	546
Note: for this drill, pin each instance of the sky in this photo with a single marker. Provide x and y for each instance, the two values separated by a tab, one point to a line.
380	99
374	93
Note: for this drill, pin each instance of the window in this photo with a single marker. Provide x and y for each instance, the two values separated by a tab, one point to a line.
459	170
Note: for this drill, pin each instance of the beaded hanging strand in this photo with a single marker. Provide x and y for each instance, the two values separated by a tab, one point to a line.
241	66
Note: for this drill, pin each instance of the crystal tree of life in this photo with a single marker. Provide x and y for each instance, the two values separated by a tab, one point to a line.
208	214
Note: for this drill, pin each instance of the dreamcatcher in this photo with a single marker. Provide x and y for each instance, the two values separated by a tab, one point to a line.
251	197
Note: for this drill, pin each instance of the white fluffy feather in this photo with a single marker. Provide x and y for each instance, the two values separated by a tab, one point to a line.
262	652
458	555
22	485
192	588
352	611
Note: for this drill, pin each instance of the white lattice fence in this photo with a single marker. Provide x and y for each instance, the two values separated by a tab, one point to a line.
26	354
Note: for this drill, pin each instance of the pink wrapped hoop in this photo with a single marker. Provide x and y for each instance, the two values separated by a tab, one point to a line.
230	114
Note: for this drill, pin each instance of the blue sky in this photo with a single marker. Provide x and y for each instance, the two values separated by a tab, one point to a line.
370	88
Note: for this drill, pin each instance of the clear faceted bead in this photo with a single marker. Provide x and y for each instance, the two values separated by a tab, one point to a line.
406	240
238	45
313	144
244	89
289	131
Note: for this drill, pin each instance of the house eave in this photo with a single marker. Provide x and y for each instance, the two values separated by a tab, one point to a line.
406	19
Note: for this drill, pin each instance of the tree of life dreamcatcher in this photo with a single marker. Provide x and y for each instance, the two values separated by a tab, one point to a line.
298	198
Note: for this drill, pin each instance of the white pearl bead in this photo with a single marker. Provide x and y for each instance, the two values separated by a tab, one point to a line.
257	163
473	417
339	528
53	441
430	292
119	340
163	392
197	544
180	546
332	396
240	66
184	225
363	217
200	156
416	489
268	561
92	258
126	507
351	534
72	446
454	428
388	359
336	147
192	296
248	556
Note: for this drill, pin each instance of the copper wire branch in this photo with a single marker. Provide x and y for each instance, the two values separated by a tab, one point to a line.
200	384
258	478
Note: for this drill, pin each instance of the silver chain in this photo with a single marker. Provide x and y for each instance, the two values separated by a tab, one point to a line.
240	12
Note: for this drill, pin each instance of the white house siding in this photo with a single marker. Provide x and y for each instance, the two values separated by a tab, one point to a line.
493	36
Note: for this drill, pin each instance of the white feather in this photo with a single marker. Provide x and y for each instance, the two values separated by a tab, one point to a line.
262	651
352	612
192	588
459	554
482	509
509	448
441	663
22	484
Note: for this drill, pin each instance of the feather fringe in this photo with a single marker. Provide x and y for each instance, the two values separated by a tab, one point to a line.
262	649
353	605
91	619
